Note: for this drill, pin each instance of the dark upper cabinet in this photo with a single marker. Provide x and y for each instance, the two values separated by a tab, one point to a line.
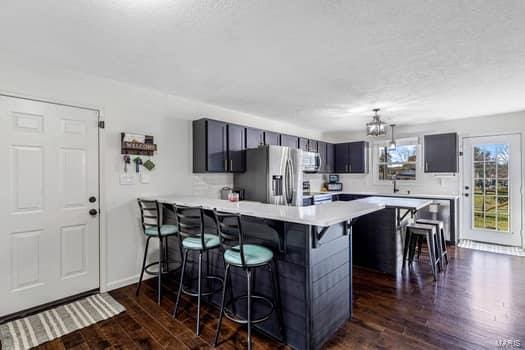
289	141
272	138
303	144
254	138
307	145
312	146
326	152
341	158
321	148
210	146
351	157
218	147
329	158
441	153
236	147
358	157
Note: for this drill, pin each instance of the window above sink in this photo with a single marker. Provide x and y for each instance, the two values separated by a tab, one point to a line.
401	162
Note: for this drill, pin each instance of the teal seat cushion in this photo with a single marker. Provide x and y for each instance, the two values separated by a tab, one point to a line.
210	241
165	230
253	255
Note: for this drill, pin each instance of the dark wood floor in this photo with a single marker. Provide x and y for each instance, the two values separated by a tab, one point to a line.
478	301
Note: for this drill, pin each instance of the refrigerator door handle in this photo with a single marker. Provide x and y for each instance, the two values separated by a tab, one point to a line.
289	182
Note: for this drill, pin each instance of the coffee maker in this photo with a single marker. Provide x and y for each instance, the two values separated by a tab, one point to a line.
333	184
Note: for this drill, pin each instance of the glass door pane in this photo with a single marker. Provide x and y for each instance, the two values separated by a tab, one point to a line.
491	186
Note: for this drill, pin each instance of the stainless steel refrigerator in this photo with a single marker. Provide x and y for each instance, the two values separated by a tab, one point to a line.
274	174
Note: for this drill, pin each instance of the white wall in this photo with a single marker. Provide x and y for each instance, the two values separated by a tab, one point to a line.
129	108
430	184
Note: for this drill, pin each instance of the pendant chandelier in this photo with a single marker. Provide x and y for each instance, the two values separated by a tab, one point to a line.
392	144
376	127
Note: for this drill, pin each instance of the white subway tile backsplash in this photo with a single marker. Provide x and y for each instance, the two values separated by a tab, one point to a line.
210	185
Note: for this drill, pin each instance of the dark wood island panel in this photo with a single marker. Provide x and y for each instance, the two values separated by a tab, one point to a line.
314	277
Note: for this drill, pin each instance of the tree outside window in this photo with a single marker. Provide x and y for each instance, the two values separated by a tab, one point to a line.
400	162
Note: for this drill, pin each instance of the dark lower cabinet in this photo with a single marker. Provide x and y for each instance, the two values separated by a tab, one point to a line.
441	153
272	138
308	201
236	147
289	141
254	138
351	157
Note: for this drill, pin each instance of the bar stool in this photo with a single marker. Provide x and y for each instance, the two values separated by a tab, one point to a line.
190	221
413	232
247	257
440	228
153	228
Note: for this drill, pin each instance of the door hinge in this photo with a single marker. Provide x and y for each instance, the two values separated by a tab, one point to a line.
101	124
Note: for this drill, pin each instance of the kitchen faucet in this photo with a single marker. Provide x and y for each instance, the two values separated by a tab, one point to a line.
394	181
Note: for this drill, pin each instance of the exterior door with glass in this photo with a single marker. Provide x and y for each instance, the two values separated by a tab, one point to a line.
492	189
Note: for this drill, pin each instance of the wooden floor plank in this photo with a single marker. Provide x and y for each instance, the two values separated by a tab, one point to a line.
475	303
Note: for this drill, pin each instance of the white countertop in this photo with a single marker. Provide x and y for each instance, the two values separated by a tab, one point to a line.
318	215
400	195
397	202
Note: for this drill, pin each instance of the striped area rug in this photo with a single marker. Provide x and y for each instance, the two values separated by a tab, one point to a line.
33	330
493	248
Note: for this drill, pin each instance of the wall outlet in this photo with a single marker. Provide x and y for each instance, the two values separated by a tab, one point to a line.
128	179
145	178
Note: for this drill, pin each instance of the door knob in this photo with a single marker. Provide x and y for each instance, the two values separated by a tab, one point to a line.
93	212
92	199
466	194
467	188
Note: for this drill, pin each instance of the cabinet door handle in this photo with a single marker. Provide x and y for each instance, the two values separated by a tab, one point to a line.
231	164
225	165
426	166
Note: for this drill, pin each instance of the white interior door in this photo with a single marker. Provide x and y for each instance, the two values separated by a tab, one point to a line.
492	189
49	242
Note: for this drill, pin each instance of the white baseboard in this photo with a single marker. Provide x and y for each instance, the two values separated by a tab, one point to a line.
125	282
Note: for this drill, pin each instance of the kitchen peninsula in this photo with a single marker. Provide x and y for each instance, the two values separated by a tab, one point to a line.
312	247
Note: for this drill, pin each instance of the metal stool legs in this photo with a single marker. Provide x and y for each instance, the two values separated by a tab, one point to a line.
163	264
440	237
199	296
223	298
431	252
200	292
433	243
249	280
182	273
276	305
159	281
143	266
444	254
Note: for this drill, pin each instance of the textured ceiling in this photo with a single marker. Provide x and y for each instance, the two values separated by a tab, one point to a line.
323	64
